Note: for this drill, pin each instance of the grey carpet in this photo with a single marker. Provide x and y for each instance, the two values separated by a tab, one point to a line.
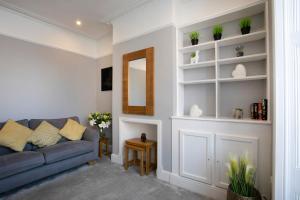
102	181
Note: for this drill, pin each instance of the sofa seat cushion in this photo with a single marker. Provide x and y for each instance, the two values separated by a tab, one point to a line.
14	163
66	150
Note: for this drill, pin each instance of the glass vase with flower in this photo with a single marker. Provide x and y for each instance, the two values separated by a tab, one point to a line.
101	121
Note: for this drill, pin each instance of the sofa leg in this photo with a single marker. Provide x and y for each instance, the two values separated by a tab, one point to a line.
91	162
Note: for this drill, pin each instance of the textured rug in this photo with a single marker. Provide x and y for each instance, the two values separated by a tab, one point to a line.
102	181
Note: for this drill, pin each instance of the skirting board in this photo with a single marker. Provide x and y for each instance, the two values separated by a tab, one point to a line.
115	158
161	174
198	187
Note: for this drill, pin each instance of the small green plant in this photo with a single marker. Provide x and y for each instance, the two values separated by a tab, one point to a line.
241	176
245	22
218	29
194	35
193	55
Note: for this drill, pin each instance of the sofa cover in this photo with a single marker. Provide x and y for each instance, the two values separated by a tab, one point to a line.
20	168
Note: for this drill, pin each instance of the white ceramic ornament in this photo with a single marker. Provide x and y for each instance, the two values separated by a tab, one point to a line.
195	111
195	59
239	71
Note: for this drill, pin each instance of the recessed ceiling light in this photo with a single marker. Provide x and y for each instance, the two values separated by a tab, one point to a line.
78	23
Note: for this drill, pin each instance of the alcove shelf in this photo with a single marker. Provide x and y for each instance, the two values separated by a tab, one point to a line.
209	83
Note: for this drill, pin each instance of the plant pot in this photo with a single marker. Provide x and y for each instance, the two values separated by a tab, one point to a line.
194	41
234	196
245	30
217	36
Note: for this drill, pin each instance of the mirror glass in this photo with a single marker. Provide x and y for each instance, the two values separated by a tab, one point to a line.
137	82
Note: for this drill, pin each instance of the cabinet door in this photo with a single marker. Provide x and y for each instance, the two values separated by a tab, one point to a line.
227	145
196	150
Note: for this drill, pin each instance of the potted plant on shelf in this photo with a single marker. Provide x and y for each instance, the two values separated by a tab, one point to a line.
245	25
101	121
242	180
217	32
194	37
194	57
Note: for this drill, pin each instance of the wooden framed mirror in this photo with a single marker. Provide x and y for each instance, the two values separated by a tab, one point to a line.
138	82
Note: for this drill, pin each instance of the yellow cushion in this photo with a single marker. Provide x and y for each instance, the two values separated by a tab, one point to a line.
14	135
45	135
72	130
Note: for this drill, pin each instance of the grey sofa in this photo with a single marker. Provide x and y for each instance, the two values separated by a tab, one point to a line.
20	168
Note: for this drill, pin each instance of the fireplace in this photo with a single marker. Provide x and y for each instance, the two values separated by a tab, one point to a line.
132	128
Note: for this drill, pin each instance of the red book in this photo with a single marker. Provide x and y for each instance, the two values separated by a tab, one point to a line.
260	111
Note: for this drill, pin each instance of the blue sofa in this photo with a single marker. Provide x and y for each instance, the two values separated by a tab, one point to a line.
20	168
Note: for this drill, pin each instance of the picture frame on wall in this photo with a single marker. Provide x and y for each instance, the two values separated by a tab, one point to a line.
106	79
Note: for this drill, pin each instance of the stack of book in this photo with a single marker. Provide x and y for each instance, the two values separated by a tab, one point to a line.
259	110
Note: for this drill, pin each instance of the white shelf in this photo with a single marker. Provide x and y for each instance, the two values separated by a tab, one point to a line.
254	57
198	82
201	46
210	63
248	78
223	119
239	39
242	38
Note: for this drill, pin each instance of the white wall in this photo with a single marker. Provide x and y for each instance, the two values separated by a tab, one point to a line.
158	14
149	17
189	11
104	46
20	26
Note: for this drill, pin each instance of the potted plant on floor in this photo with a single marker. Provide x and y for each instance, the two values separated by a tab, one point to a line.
245	25
101	121
242	180
217	32
194	37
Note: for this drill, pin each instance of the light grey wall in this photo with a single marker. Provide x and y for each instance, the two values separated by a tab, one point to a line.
163	42
104	98
42	82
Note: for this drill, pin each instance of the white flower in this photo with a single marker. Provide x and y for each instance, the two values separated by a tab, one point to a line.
92	122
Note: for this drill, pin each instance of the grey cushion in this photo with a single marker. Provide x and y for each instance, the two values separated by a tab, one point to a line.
66	150
18	162
58	123
5	150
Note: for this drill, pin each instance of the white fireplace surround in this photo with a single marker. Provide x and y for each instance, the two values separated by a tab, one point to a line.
123	122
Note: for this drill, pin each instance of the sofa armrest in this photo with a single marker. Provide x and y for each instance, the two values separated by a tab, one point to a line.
92	135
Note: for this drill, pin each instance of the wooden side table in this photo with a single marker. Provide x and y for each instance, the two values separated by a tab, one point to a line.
103	141
138	146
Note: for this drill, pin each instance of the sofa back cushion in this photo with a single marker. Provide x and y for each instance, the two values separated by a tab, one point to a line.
58	123
5	150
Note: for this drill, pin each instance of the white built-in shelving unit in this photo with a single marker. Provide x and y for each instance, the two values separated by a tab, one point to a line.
209	83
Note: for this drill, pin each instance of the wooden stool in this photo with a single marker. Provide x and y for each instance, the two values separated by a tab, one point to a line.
138	146
102	141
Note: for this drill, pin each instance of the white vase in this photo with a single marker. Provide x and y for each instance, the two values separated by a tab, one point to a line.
195	111
239	71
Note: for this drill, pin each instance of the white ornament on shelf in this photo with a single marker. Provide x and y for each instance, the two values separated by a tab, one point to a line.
195	59
195	111
239	71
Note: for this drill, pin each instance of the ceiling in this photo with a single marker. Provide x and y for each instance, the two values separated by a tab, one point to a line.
94	14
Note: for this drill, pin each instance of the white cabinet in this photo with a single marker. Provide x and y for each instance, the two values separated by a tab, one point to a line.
196	155
227	145
203	156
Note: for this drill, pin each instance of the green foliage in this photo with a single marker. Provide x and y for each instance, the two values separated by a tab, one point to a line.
241	176
218	29
194	35
245	22
193	55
